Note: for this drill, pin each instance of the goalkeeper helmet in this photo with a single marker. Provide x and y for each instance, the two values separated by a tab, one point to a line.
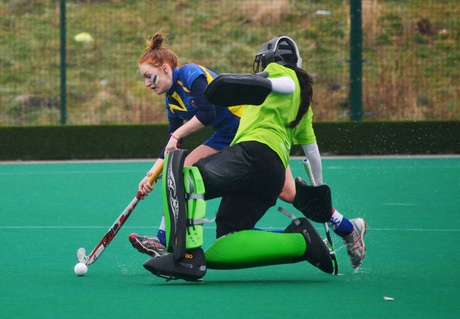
281	50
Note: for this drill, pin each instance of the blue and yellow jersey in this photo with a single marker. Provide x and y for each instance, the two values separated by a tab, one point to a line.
181	105
179	100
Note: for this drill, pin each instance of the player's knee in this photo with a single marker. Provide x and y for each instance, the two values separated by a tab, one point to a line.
289	188
287	196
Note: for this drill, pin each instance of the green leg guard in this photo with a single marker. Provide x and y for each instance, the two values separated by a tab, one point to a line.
185	209
254	248
196	207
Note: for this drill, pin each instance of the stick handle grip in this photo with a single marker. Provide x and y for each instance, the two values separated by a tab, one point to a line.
156	174
307	166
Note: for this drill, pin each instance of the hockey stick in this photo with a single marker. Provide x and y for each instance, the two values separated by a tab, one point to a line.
307	166
108	237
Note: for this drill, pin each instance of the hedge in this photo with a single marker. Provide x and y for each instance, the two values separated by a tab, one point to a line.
146	141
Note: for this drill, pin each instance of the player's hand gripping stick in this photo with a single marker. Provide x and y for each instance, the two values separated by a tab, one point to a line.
110	235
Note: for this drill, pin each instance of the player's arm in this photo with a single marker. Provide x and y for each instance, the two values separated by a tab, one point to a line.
312	153
237	89
206	113
144	186
282	85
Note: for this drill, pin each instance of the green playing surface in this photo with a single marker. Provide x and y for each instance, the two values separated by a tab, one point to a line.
49	210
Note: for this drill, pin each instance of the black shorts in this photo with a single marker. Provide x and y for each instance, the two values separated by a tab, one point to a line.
249	177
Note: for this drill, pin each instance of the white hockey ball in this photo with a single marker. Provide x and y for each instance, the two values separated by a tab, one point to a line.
80	269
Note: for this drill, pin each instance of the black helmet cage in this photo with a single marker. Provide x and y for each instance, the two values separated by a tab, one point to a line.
279	49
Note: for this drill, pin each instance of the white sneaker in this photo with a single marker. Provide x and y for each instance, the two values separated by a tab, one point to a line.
147	245
356	248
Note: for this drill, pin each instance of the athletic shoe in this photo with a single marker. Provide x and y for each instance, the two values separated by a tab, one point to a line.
356	248
147	245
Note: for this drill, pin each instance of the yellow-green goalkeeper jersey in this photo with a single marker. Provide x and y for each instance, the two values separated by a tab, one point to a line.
268	123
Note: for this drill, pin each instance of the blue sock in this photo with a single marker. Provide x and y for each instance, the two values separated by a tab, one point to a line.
339	224
344	228
162	236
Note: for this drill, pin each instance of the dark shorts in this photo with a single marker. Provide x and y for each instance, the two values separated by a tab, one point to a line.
249	177
219	141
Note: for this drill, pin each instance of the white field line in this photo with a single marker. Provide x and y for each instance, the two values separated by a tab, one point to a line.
209	227
141	160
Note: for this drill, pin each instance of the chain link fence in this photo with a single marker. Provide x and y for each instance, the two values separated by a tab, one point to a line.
411	55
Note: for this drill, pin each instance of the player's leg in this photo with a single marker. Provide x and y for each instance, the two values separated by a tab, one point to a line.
238	246
252	194
155	246
252	248
316	204
352	231
183	197
198	153
288	193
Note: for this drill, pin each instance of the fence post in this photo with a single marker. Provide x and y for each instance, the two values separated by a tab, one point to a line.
63	62
356	107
